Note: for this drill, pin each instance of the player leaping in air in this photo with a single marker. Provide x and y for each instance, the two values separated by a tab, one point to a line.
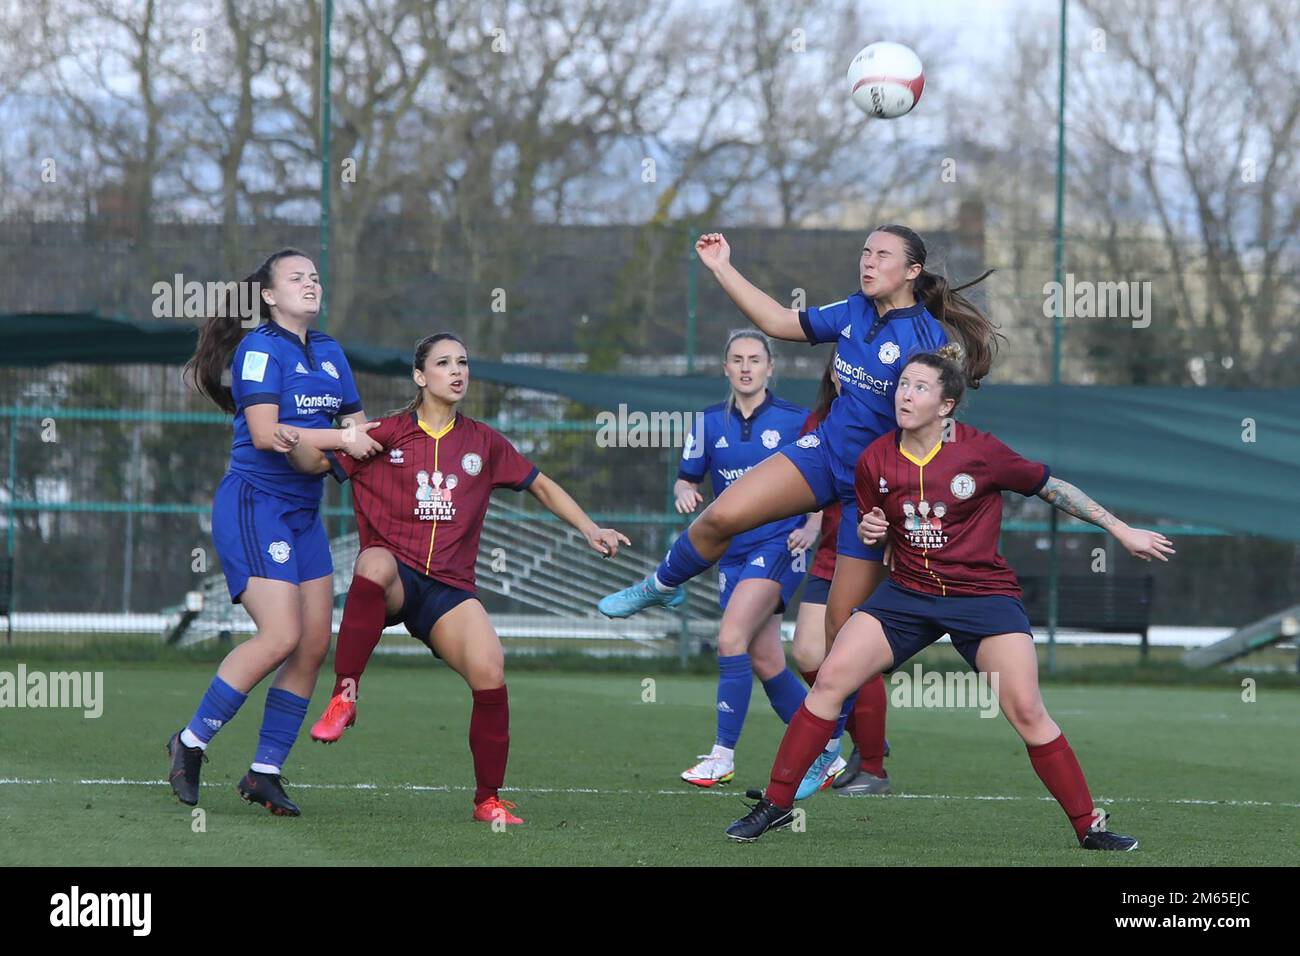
899	309
420	507
950	580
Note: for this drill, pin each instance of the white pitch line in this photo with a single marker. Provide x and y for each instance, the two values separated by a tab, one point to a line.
449	788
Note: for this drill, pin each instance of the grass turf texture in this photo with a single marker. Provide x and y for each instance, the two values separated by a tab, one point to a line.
1145	749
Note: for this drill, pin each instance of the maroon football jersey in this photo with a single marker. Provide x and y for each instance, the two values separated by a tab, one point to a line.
823	565
425	495
945	510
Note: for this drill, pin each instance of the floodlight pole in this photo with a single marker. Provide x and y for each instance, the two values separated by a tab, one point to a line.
327	18
1054	570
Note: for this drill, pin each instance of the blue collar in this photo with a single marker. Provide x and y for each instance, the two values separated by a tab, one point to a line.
280	330
912	311
763	406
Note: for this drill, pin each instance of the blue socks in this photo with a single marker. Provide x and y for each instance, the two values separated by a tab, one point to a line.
281	722
786	692
844	715
220	703
681	564
735	684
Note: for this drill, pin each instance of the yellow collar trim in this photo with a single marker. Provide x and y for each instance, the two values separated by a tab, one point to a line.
441	432
921	462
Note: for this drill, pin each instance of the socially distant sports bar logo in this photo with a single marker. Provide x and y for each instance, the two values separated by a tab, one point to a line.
433	495
923	524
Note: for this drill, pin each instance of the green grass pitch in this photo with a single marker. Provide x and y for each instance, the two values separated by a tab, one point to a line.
1201	777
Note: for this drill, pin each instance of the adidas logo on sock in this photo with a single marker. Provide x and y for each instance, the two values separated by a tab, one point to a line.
212	722
724	707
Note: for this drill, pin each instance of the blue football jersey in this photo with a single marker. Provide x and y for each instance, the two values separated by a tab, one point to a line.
730	445
871	351
309	382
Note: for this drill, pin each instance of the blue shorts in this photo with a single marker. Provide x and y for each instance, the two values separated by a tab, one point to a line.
258	535
424	602
912	621
816	591
771	561
831	481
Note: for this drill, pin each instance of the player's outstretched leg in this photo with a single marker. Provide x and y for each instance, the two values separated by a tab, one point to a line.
375	590
288	699
860	652
646	593
855	578
1011	658
809	651
276	609
771	490
465	638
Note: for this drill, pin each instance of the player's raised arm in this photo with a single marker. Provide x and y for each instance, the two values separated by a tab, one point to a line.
759	307
559	503
1137	541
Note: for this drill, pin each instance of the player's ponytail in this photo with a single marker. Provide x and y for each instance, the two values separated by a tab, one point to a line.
757	336
971	327
422	349
826	390
208	369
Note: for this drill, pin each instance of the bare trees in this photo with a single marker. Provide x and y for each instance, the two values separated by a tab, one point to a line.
1184	145
465	125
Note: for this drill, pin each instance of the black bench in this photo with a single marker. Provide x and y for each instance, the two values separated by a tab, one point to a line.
1110	603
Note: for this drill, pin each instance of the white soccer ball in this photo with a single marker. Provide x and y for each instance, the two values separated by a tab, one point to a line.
886	80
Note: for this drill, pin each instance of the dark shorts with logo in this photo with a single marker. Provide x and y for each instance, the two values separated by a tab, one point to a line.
426	600
912	620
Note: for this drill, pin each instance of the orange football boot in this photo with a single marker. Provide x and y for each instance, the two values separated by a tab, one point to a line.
338	717
494	808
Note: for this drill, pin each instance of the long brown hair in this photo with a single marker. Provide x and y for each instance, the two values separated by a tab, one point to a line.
422	349
826	391
973	329
208	368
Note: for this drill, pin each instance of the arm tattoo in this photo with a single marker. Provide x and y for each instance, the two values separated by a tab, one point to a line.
1064	496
